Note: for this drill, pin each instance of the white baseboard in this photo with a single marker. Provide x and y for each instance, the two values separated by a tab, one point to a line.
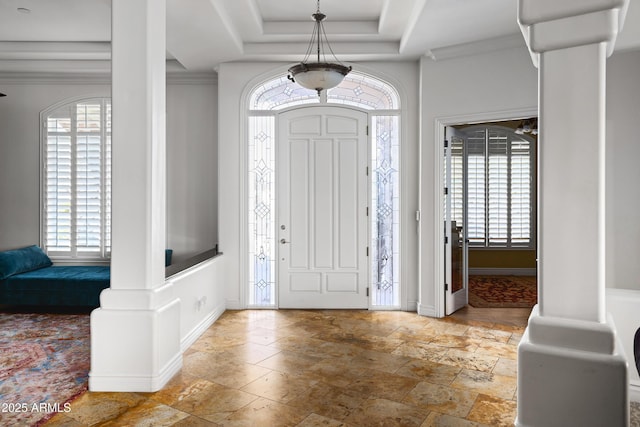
188	340
502	272
115	383
424	310
234	305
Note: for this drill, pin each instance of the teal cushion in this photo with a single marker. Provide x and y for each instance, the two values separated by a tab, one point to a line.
20	260
167	257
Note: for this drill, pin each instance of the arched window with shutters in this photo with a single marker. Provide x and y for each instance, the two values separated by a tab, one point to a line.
76	180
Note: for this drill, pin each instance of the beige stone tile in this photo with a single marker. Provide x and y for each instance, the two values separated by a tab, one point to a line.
421	350
193	421
460	342
289	362
61	420
440	326
368	342
219	343
279	386
485	383
214	401
442	399
329	401
382	412
222	369
252	352
315	420
148	414
93	408
493	411
432	372
336	371
380	361
180	387
264	336
466	360
383	385
515	339
506	367
504	350
488	334
264	412
436	419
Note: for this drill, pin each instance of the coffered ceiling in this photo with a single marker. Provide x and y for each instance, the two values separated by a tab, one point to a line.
75	34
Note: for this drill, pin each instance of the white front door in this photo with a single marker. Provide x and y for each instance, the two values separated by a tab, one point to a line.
322	208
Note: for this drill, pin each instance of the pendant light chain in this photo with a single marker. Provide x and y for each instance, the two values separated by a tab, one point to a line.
319	75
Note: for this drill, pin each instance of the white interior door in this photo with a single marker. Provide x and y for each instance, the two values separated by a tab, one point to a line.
455	231
322	208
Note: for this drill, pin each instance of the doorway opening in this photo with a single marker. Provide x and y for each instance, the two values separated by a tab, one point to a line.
268	241
490	214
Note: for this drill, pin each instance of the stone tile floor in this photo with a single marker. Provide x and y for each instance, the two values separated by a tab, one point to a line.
331	368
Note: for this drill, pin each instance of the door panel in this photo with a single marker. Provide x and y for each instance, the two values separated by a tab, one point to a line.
322	199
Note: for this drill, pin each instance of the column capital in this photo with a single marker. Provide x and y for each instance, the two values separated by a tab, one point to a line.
550	24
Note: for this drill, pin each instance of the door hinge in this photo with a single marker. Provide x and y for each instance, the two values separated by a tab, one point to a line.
446	240
446	143
367	250
446	286
417	215
367	130
367	291
367	210
446	191
367	170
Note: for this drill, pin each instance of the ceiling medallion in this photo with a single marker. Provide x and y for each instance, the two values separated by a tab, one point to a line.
320	75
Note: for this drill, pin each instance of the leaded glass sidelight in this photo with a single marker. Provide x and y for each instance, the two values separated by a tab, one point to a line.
385	221
261	210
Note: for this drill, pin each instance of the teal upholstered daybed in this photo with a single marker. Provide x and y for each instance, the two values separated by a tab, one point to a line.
28	277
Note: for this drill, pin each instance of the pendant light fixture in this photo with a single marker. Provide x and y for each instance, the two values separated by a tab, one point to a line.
320	75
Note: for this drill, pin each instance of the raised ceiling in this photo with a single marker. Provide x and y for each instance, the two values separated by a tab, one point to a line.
75	34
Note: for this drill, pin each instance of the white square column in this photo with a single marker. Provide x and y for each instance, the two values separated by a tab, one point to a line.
135	334
570	368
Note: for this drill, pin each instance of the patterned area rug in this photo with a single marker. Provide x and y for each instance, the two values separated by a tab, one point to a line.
503	291
44	364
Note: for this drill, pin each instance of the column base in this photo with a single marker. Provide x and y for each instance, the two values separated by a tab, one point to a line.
135	350
571	372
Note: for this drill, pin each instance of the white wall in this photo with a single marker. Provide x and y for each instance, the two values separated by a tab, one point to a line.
192	166
237	78
623	173
191	145
492	85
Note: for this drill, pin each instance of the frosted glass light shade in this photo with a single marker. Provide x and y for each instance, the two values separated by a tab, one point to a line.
318	76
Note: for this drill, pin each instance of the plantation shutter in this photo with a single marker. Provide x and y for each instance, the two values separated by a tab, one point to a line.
476	188
78	180
498	194
58	188
521	182
499	189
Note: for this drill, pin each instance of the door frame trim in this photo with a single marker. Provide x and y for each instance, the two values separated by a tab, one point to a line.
440	124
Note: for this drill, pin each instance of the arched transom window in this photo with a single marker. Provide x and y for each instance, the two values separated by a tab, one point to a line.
359	90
